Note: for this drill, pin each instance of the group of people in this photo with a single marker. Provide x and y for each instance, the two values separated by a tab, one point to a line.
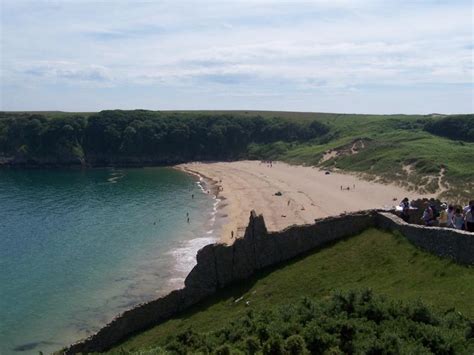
449	216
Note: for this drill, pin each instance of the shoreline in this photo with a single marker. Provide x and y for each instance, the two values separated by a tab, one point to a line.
305	193
159	269
223	235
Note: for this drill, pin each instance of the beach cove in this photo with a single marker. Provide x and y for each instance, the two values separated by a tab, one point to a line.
217	198
79	247
307	193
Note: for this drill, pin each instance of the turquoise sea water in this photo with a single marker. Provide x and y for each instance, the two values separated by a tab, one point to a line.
79	247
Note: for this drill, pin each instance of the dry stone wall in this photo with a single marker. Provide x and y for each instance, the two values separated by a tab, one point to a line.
220	265
445	242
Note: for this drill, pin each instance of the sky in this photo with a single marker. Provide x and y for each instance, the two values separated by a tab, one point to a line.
348	56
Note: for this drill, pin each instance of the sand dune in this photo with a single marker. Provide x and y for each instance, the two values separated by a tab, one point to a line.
307	193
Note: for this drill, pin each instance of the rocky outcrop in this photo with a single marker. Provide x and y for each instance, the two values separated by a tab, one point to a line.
220	265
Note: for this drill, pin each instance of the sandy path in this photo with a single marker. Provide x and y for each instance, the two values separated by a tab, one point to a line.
307	193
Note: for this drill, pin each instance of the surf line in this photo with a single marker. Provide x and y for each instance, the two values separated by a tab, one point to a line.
206	185
185	255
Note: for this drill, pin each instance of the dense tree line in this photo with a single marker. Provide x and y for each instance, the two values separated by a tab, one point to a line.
348	323
459	127
148	135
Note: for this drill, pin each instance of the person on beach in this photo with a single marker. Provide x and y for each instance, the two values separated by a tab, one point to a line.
192	196
458	219
231	234
188	219
469	220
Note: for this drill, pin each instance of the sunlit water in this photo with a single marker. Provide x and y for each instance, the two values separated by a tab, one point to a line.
79	247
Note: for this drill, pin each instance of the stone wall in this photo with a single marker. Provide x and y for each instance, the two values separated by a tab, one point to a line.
220	265
445	242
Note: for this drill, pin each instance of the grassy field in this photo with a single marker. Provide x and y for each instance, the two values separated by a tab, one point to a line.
394	149
386	263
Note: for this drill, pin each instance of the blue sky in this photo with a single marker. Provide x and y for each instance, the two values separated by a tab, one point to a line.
362	56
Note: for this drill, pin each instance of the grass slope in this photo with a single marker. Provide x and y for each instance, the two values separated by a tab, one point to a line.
398	150
386	263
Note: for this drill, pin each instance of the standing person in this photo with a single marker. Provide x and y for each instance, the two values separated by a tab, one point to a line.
405	203
450	216
405	215
468	207
469	220
443	216
434	214
458	219
427	216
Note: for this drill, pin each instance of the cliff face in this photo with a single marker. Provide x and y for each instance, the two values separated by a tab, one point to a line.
220	265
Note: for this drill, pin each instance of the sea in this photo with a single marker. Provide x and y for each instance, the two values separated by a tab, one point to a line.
78	247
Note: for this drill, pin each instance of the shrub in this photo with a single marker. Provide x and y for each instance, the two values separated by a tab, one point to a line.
295	345
357	322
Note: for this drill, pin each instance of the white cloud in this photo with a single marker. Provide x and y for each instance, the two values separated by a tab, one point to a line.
237	46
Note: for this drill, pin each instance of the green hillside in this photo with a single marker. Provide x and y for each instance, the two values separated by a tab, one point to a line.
433	153
387	264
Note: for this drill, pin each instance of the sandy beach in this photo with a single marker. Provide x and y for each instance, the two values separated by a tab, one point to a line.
306	193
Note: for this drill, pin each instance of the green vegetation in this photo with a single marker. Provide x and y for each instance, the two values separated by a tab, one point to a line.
149	136
424	153
394	148
456	127
386	263
347	323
